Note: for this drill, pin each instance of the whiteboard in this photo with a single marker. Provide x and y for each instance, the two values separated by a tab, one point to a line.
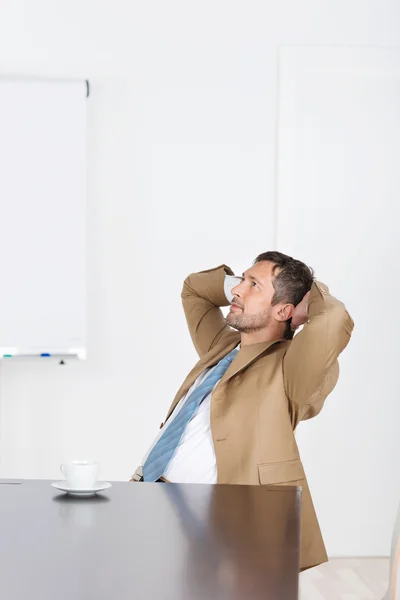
42	217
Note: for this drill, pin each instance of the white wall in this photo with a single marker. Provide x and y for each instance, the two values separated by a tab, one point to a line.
182	176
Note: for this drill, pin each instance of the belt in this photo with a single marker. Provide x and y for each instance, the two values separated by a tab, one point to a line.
137	477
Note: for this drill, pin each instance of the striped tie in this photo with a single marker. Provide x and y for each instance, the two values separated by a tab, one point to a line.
164	449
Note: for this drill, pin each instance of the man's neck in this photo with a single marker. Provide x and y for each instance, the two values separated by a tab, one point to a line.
256	337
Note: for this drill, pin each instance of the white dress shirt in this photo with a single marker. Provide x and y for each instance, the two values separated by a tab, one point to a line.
194	459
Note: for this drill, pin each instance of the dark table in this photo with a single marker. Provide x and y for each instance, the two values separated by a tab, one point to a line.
140	541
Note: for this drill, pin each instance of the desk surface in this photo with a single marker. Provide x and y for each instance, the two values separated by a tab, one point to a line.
142	541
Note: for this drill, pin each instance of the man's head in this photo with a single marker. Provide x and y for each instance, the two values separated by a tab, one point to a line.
267	295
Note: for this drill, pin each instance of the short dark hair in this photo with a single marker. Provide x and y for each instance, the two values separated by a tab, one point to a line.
292	282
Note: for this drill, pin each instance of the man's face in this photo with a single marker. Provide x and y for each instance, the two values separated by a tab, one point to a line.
251	308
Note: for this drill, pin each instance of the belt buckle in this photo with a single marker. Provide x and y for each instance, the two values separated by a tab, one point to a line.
138	474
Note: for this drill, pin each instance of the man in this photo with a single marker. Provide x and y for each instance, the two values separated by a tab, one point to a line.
233	419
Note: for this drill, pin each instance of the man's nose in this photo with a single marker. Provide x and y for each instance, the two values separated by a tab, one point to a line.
237	290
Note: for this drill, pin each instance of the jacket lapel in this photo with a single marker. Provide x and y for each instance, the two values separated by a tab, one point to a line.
245	356
208	360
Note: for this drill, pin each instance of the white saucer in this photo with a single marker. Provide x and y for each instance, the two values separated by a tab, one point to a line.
99	486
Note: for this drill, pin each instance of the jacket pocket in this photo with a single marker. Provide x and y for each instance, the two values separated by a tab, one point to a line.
281	472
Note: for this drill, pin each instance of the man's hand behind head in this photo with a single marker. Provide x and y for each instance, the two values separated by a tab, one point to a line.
300	313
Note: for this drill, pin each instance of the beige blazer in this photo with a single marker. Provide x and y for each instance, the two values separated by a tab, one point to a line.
266	391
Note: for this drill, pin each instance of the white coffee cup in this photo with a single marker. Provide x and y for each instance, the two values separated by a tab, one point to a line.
80	474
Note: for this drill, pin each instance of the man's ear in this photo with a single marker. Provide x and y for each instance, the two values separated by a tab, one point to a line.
285	312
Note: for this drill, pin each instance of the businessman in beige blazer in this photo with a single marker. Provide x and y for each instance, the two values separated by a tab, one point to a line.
242	432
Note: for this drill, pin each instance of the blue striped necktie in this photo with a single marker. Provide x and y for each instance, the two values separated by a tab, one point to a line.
164	449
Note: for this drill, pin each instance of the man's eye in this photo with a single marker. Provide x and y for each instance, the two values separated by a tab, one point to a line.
254	283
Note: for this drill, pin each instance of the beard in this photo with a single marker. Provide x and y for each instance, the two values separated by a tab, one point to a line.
248	323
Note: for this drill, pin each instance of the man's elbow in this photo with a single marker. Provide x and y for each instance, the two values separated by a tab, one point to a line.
343	324
187	289
347	323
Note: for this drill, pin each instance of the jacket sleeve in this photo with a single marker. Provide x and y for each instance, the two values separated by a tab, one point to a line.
202	296
310	365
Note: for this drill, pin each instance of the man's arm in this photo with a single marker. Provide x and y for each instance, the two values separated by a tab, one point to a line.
202	296
310	366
